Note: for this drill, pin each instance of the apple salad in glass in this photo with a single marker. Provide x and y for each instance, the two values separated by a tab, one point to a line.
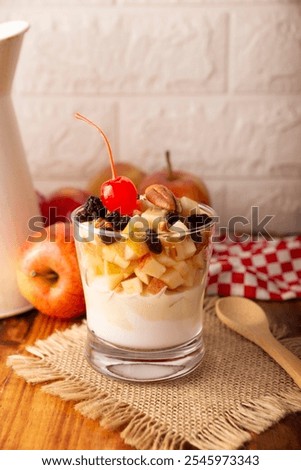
144	270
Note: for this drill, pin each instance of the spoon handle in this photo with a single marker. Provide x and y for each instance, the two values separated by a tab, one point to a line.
285	358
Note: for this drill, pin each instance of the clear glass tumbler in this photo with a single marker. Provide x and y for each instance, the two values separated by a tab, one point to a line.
144	306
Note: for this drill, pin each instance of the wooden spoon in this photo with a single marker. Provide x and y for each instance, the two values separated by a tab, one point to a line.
249	320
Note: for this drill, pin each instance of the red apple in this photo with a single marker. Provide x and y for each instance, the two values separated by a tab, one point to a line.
48	274
181	183
62	202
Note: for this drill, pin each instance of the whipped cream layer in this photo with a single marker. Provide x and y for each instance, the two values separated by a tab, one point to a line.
136	321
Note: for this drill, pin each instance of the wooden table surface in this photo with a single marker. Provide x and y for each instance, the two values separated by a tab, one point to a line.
32	419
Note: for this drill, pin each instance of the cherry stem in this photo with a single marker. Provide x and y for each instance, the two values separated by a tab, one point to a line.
83	118
169	166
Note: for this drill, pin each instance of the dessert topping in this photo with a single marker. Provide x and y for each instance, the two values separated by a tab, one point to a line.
118	221
153	242
107	236
93	209
172	217
119	193
161	196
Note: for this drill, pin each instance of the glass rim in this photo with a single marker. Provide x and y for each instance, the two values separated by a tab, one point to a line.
118	234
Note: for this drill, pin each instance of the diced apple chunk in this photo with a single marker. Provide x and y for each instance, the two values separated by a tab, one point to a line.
155	286
182	268
145	278
163	258
91	249
179	229
134	249
172	278
189	206
152	267
132	286
135	228
185	249
169	249
111	268
113	274
115	254
153	217
143	204
190	277
198	260
130	269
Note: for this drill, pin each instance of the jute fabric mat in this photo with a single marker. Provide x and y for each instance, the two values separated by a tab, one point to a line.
236	390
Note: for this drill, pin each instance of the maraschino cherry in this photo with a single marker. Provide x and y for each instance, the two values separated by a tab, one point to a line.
119	193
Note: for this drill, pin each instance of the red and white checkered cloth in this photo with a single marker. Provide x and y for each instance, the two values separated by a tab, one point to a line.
263	270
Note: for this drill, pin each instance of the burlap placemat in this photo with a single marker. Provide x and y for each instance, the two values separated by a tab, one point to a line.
236	390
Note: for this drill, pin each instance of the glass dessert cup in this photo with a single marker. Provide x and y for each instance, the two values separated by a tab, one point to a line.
144	306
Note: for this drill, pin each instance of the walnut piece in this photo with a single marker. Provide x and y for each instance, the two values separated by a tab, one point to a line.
161	196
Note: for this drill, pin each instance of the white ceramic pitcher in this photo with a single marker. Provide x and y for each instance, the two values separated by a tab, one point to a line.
18	201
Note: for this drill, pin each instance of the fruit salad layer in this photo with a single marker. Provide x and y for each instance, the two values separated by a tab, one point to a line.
144	274
162	246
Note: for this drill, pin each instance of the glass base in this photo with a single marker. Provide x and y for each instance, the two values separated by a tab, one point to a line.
136	365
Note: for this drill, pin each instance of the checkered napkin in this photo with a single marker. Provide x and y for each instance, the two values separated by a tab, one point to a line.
263	270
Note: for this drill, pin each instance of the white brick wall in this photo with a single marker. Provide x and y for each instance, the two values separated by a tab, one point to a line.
218	82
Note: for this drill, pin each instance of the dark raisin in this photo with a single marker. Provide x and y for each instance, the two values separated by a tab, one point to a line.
196	236
93	209
172	217
113	217
83	217
119	222
108	238
198	220
153	242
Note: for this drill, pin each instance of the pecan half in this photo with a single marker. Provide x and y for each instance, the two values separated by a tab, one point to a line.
161	196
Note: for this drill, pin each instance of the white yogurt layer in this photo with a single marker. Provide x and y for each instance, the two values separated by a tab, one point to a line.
143	322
